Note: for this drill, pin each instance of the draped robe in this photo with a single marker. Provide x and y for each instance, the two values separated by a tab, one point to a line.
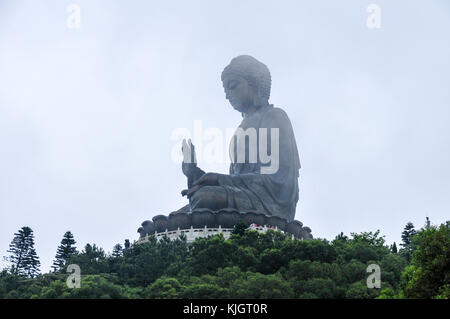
246	188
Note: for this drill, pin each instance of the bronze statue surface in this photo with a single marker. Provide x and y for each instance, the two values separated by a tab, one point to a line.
250	185
262	185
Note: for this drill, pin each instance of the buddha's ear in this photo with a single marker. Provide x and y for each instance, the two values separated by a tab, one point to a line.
258	99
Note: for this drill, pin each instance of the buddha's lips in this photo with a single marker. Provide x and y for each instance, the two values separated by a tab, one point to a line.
234	104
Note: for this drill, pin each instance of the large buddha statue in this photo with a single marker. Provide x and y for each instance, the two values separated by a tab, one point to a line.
264	169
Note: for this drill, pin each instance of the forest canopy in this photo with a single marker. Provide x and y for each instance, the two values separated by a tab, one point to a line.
249	264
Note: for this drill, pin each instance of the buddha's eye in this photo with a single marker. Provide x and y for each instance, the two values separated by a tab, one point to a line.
232	84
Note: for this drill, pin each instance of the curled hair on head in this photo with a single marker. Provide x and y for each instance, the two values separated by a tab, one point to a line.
256	73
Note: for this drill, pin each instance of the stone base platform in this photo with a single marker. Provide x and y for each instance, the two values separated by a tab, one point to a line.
205	222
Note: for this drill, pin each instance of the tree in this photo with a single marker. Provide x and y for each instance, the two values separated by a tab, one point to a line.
392	266
259	286
203	291
8	283
341	237
369	238
32	262
117	251
23	255
209	254
92	287
249	265
164	288
359	290
239	228
92	260
65	250
428	276
407	243
394	248
320	287
427	223
363	247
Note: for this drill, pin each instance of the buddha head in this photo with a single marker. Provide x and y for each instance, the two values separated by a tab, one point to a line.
246	83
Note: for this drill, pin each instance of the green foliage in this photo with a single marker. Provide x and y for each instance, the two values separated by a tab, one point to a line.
97	287
359	290
408	244
9	282
249	265
260	286
208	254
444	292
389	293
392	266
92	287
92	260
364	247
203	291
144	263
239	228
429	275
164	288
394	249
246	258
23	256
17	286
117	250
65	250
315	250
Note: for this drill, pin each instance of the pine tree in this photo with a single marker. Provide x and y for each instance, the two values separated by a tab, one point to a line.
341	237
33	263
23	256
394	248
65	250
407	244
18	250
239	228
117	250
407	234
427	223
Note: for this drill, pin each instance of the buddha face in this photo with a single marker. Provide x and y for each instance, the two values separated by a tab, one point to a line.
238	92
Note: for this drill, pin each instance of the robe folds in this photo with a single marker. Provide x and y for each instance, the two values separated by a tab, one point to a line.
247	187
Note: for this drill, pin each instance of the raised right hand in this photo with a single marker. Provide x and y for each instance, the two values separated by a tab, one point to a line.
189	158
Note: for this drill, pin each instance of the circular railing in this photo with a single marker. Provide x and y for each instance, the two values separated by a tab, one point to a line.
225	218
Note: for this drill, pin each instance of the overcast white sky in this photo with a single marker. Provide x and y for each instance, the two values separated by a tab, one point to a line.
86	115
